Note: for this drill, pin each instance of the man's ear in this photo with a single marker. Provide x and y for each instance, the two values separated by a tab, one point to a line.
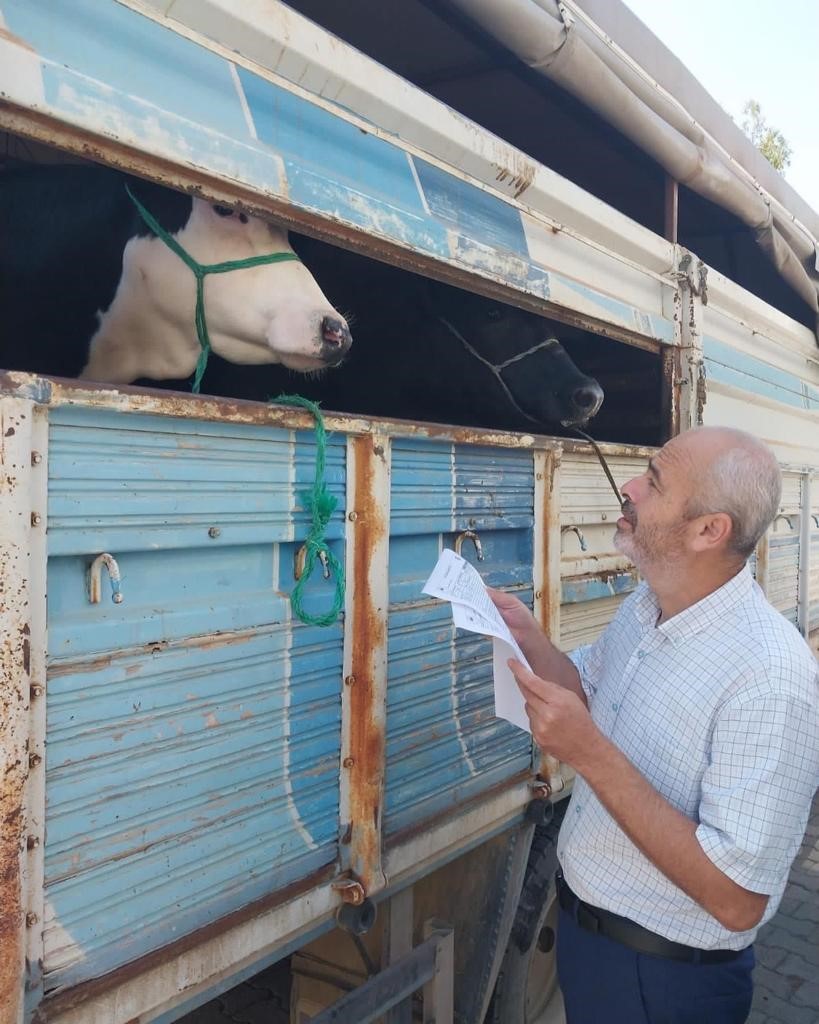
713	531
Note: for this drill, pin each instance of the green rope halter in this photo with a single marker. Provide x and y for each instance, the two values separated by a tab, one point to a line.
200	272
318	501
321	505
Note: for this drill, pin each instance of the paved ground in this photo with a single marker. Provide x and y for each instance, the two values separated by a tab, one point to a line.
787	950
786	977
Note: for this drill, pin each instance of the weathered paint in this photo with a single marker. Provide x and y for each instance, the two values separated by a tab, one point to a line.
444	744
595	587
200	965
199	107
35	802
193	729
55	392
16	418
728	365
365	660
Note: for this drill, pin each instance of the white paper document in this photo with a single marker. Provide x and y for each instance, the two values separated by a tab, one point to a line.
453	579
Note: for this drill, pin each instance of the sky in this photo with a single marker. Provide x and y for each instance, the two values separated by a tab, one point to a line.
750	49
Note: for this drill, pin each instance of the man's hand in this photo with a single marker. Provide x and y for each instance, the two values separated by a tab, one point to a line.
521	622
547	660
562	725
560	721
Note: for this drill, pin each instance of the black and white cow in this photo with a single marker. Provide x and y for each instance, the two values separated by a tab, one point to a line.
88	290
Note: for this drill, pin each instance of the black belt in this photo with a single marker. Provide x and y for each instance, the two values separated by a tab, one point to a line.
633	935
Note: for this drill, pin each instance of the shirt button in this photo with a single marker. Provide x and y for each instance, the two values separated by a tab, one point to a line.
641	654
577	808
615	707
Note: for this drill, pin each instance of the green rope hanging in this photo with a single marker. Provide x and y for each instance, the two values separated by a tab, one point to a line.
200	271
321	505
318	501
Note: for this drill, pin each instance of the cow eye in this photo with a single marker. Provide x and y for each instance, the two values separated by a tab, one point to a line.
494	314
222	211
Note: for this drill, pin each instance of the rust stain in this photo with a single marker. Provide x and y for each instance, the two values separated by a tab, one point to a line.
14	702
62	1002
367	732
22	43
518	178
422	828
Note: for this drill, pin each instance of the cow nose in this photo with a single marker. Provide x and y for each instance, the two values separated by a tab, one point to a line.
588	398
336	339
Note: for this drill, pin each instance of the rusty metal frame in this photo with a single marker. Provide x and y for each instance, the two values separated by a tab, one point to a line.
47	130
21	761
689	372
53	391
35	794
364	696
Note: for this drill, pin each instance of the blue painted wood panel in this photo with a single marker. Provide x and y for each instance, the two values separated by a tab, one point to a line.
728	365
193	731
444	744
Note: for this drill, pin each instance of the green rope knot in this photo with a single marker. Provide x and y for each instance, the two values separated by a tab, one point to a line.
321	505
200	271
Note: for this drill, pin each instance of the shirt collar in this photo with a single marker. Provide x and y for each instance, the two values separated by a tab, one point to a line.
700	615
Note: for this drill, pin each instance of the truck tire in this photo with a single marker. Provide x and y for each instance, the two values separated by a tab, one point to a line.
526	991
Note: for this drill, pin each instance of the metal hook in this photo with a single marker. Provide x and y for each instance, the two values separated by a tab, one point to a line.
301	559
95	578
576	529
469	535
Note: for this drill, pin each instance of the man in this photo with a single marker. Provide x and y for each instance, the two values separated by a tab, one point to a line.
693	725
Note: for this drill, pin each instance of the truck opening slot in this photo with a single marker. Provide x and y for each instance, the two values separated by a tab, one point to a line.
421	350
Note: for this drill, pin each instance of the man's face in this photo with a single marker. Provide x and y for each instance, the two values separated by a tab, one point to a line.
654	528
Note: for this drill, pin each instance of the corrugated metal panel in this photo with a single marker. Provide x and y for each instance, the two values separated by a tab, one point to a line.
595	580
783	560
783	557
193	730
583	623
813	590
791	493
444	744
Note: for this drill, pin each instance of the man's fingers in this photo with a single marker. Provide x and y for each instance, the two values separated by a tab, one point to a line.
533	686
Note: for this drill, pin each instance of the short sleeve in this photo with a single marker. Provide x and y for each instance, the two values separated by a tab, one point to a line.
588	661
757	790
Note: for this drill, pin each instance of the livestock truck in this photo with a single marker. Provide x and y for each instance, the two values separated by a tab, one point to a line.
197	785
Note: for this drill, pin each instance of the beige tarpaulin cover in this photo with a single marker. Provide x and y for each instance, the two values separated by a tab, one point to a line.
552	41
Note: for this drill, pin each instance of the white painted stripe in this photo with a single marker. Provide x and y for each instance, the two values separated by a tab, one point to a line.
251	126
417	180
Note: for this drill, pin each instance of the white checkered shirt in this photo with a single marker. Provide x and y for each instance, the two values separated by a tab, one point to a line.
718	707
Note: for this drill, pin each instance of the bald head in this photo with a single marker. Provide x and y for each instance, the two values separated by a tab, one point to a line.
732	472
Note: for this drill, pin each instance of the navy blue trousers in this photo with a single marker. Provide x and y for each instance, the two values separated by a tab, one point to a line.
604	982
